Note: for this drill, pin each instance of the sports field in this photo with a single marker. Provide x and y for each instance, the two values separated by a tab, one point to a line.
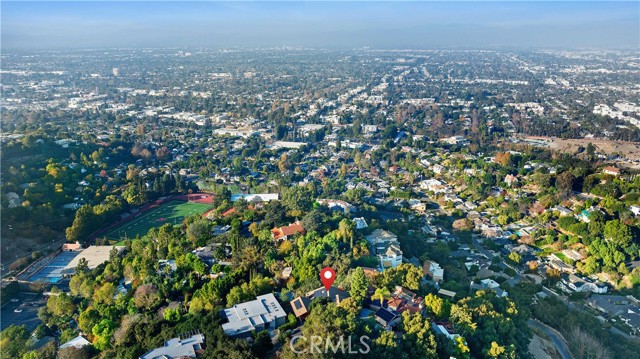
169	212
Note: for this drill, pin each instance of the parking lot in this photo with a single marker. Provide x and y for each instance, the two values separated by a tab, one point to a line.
27	304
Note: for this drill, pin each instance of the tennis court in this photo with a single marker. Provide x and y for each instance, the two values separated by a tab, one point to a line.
52	271
169	212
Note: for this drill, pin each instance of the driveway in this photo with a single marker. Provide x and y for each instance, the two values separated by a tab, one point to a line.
556	338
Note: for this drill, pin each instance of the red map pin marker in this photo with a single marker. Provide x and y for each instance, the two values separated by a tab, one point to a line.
327	276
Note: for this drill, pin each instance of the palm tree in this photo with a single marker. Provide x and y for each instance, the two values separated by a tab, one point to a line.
381	293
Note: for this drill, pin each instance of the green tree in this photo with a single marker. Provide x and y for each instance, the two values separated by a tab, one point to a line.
61	305
13	341
617	232
381	294
105	294
359	285
418	340
515	257
437	306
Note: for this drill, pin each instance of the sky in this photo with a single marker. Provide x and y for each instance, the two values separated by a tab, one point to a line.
320	24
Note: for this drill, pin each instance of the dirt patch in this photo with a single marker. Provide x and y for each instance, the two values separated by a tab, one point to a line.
541	347
628	150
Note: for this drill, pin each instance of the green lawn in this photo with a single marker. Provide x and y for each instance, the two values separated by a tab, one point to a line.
170	212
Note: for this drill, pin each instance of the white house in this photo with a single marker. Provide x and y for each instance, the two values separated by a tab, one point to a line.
265	312
433	270
360	222
386	247
610	170
391	257
178	348
574	283
77	342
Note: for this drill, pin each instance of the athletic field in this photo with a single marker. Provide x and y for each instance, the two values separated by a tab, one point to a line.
169	212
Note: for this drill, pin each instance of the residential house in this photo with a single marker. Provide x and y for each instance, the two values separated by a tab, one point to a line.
510	180
386	247
446	329
557	263
300	305
403	300
433	270
337	204
632	319
387	318
77	342
562	211
433	185
178	348
613	305
571	282
360	222
490	284
286	232
391	256
573	254
610	170
455	140
262	313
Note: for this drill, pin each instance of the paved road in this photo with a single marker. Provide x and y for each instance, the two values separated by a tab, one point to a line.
27	306
556	338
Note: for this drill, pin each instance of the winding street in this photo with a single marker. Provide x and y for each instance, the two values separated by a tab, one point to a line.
556	338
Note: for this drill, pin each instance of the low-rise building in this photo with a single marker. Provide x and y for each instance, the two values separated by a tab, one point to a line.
300	305
387	318
360	222
386	247
446	329
77	342
263	313
433	270
610	170
403	300
571	282
178	348
94	256
488	283
337	204
286	232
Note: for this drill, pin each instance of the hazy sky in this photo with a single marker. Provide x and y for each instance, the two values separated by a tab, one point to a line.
394	25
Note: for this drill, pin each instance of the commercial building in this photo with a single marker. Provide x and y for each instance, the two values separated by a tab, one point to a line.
94	255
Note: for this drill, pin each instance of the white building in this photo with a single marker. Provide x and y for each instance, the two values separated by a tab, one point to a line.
433	270
260	197
455	140
178	348
77	342
370	128
263	313
386	247
361	223
574	283
391	257
333	203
